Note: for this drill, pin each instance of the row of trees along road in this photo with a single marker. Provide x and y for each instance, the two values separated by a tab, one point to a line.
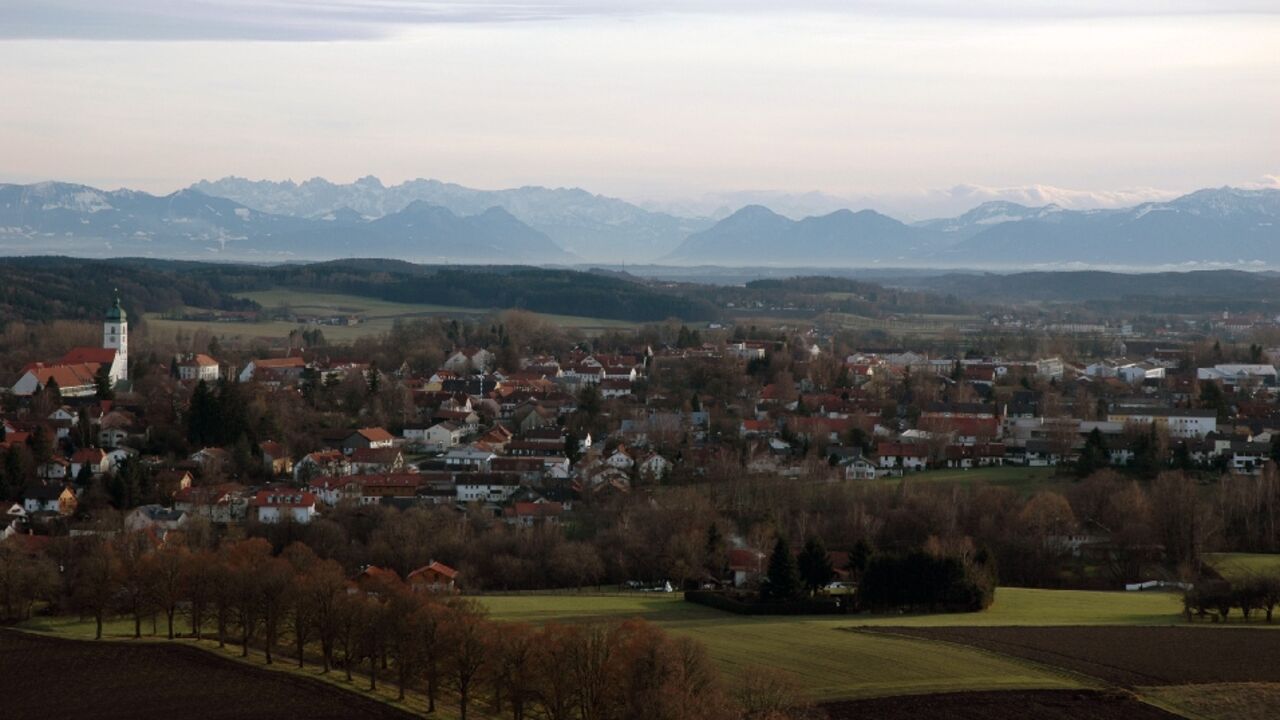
443	646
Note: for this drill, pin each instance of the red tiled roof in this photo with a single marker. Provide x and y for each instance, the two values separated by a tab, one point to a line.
284	498
88	455
434	567
375	434
66	375
81	355
279	363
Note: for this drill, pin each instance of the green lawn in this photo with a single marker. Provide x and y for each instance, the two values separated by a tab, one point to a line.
831	663
1237	566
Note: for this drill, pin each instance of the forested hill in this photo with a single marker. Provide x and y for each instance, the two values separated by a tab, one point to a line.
45	288
561	292
37	289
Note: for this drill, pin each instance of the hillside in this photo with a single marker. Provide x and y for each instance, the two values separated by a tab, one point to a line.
44	288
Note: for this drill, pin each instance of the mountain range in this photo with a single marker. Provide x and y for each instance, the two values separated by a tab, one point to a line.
79	220
1218	226
592	227
435	222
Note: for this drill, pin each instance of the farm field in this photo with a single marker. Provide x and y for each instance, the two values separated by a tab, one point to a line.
160	681
387	312
1237	566
1130	656
379	315
1039	704
832	663
1227	701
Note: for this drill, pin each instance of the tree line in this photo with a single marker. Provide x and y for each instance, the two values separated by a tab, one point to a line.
378	629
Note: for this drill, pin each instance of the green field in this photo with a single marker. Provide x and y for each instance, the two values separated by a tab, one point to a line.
1238	566
379	316
831	662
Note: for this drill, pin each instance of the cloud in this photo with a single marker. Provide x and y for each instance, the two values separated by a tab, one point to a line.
300	20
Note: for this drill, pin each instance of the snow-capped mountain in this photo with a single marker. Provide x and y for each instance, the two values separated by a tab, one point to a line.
1222	226
594	227
78	220
320	220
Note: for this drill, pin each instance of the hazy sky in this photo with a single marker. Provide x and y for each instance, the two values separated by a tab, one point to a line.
916	106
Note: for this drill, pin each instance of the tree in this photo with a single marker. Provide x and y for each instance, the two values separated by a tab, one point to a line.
815	566
431	627
783	579
133	576
765	693
514	667
274	582
24	578
325	586
247	563
470	643
205	579
1094	455
202	415
573	448
859	557
170	579
102	383
95	581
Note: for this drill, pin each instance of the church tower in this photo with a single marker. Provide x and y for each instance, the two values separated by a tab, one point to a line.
115	336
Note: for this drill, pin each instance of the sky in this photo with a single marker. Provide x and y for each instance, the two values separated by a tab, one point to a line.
916	107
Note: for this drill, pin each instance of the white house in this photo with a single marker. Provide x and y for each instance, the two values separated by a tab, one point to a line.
620	459
441	437
1179	422
469	360
274	506
197	366
486	487
655	467
1239	374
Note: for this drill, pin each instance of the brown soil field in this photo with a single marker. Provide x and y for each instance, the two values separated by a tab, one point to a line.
1130	656
1014	705
46	678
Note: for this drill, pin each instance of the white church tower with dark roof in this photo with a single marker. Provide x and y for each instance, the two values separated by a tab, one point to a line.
115	336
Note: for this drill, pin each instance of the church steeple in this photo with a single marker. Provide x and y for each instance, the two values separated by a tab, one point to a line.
117	313
115	336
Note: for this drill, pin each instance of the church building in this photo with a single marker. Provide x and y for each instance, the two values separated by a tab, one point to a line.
75	372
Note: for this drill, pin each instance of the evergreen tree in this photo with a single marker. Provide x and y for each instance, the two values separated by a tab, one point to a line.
310	384
815	566
715	551
201	415
859	558
1146	454
41	445
572	448
53	393
1094	455
783	581
372	378
102	383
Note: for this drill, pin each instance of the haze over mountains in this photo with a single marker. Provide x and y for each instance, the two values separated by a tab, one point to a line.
432	221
